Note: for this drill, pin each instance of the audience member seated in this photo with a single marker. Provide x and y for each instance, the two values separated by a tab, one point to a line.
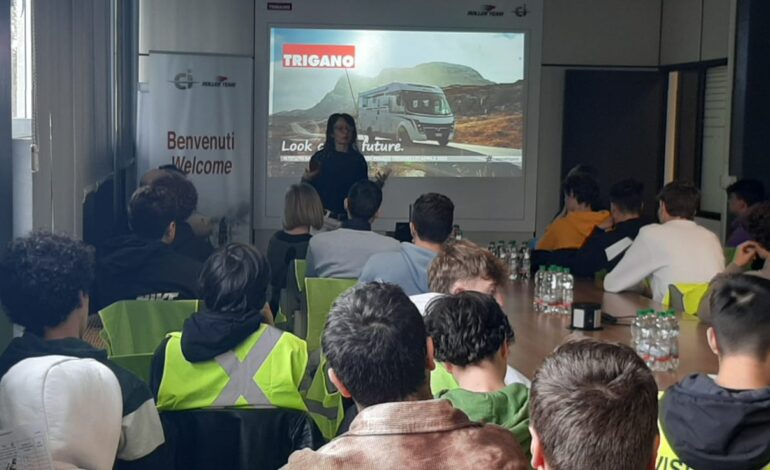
675	251
185	241
464	266
604	248
379	354
742	196
471	335
581	195
431	225
593	405
758	247
302	210
343	253
143	265
200	224
45	280
227	355
724	422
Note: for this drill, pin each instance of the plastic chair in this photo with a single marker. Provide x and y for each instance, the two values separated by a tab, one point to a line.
321	294
139	326
685	297
139	364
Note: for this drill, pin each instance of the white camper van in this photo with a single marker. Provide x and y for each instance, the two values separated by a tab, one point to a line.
406	112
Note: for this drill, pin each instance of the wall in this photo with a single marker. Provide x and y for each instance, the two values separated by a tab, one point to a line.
694	31
6	164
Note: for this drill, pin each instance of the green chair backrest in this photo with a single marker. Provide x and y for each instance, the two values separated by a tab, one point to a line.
685	297
139	326
139	364
300	270
321	294
729	255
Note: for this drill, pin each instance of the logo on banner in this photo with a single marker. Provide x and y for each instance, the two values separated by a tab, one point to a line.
183	80
486	10
521	11
319	56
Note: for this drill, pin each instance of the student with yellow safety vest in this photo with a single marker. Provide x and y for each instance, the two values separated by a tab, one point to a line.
724	422
228	355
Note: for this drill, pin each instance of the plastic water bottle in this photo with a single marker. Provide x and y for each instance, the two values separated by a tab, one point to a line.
646	338
502	252
525	263
673	339
659	347
553	294
491	248
457	234
513	260
538	302
636	329
568	291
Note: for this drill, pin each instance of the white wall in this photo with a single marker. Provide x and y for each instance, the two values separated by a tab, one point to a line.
694	30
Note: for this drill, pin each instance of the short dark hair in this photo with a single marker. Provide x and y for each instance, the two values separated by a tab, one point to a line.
41	278
364	199
183	191
739	309
375	341
235	279
583	187
463	260
749	190
595	405
758	224
467	328
681	198
151	210
627	195
433	217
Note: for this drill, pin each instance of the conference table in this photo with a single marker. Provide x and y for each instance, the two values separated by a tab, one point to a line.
538	334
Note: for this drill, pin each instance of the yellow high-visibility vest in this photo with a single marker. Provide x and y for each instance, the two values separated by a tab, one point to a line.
265	370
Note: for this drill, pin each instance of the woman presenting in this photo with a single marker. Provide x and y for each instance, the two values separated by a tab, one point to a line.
335	168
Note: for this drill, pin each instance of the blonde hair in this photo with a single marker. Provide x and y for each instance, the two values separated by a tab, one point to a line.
461	261
302	207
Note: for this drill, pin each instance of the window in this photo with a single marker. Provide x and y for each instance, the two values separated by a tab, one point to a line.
21	68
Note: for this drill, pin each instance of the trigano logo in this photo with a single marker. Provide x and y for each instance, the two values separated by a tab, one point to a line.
320	56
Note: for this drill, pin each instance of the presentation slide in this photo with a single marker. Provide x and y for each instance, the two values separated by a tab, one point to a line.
426	103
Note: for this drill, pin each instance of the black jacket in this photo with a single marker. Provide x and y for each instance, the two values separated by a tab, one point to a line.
282	249
130	267
191	245
338	173
590	258
710	427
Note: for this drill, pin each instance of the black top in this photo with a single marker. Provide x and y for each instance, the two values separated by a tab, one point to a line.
131	267
191	245
282	249
590	258
338	173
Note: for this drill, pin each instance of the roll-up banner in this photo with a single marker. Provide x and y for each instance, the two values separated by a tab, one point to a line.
197	115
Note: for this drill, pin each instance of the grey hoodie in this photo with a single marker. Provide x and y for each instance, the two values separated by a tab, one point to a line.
710	427
408	268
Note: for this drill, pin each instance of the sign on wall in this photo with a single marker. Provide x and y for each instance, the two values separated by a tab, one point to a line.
198	116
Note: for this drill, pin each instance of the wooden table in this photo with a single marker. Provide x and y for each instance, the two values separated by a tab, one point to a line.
536	335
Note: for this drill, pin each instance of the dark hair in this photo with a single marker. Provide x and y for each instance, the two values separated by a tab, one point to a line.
681	198
433	216
329	144
467	328
463	260
758	224
627	195
183	191
151	210
595	405
41	278
364	199
739	309
583	187
375	341
585	169
170	167
234	279
748	190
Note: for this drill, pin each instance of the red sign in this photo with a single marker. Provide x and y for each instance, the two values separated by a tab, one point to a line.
319	56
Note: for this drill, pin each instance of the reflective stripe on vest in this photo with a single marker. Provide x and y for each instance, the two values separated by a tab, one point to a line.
265	370
324	402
